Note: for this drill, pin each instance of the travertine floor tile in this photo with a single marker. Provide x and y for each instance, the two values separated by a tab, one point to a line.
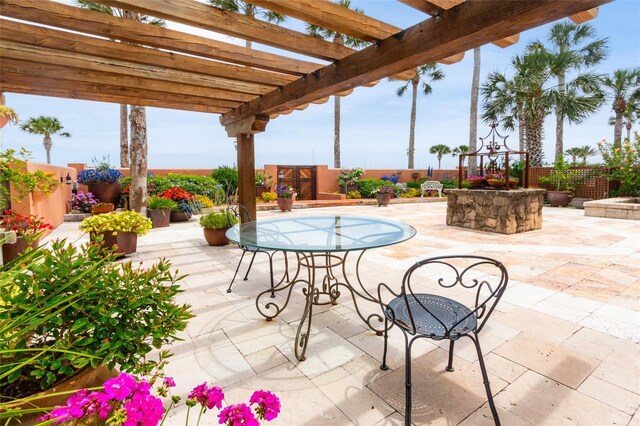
613	395
621	369
266	359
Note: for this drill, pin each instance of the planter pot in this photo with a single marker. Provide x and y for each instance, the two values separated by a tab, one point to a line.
477	181
216	237
578	203
86	378
102	209
285	204
496	183
261	190
350	188
106	192
558	198
3	121
14	250
123	243
180	216
383	199
159	217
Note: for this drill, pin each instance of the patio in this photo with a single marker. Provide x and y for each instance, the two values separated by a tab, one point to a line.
562	348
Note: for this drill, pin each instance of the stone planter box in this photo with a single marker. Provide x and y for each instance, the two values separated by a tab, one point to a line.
615	208
500	211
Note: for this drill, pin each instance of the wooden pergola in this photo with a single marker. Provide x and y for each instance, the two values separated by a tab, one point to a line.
51	49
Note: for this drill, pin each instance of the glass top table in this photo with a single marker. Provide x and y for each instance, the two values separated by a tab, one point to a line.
322	245
321	233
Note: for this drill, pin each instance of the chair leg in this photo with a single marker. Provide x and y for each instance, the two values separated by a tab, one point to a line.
407	371
236	273
485	379
246	276
450	365
384	365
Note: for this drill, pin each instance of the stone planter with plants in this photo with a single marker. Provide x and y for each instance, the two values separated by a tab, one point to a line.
384	195
186	204
286	196
117	231
71	311
104	182
215	225
159	211
562	181
101	208
28	230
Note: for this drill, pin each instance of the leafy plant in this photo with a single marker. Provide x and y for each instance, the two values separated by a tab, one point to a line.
354	195
82	201
185	201
228	177
561	178
388	189
13	169
157	203
368	188
204	201
413	185
350	177
268	197
410	193
284	191
264	180
10	113
218	220
449	183
30	228
126	221
623	164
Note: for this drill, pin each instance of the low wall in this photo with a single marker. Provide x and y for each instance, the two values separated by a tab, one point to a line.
51	207
331	196
614	208
500	211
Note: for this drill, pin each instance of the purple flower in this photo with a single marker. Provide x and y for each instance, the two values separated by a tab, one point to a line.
81	404
143	409
207	397
268	404
169	382
237	415
120	387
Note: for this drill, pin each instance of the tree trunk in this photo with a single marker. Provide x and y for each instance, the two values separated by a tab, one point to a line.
619	105
124	136
560	120
47	147
629	126
473	113
522	133
439	159
534	142
412	125
336	132
138	192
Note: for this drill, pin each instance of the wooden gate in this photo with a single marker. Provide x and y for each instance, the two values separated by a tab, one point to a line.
302	178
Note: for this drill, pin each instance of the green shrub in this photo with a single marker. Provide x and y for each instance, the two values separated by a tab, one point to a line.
368	188
413	185
410	193
228	178
354	195
199	185
156	202
218	220
449	183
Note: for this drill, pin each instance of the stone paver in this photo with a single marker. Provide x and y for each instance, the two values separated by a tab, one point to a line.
562	346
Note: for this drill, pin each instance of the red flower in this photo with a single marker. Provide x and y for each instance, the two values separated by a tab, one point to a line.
29	227
177	194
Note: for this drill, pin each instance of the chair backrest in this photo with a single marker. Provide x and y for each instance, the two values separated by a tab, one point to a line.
487	276
240	212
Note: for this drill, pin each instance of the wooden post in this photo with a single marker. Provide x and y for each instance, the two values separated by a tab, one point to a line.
246	174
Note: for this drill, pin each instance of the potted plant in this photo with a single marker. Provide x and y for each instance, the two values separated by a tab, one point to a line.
103	182
286	195
101	208
28	231
415	176
13	170
83	202
476	180
159	211
71	311
215	225
117	231
384	195
347	179
562	181
185	201
8	115
263	183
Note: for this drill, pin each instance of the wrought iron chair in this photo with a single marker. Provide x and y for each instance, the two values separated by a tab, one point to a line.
422	315
240	211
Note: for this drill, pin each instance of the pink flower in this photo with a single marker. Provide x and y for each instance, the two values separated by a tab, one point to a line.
169	382
120	387
207	397
143	409
237	415
268	404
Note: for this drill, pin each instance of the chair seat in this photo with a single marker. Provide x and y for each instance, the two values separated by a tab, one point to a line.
448	311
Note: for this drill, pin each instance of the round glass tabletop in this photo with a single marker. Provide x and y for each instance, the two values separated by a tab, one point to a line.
320	233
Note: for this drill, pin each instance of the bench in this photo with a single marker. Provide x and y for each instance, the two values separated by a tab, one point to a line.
431	185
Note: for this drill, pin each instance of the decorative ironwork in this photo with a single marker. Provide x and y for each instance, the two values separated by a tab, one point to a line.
492	148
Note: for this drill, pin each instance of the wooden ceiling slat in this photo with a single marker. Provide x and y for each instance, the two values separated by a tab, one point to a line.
432	7
582	17
34	89
32	69
25	52
76	43
191	12
54	14
449	60
458	30
507	41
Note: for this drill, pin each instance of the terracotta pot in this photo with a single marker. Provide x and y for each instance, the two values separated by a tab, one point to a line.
285	204
159	217
578	203
106	192
383	199
14	250
123	243
102	209
180	216
477	181
261	190
86	378
496	183
3	121
216	237
558	198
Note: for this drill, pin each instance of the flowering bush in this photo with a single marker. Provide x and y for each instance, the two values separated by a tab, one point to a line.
624	165
186	201
267	197
103	173
127	400
82	201
126	221
386	190
475	177
264	180
284	191
28	227
390	178
204	201
350	177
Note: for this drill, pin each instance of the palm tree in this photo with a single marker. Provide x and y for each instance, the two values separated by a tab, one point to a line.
462	149
473	111
528	97
574	153
577	45
121	13
440	150
630	116
45	126
345	40
424	74
586	151
624	87
245	8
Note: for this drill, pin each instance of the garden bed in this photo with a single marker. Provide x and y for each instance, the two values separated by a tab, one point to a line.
615	208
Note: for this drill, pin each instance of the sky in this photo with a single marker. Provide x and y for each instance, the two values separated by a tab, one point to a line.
374	121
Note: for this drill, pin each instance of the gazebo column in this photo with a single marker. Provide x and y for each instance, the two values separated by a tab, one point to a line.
243	131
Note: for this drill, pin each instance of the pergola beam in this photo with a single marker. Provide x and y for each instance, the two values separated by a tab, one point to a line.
462	28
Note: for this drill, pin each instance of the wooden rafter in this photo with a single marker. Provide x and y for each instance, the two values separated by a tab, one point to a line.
459	29
582	17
